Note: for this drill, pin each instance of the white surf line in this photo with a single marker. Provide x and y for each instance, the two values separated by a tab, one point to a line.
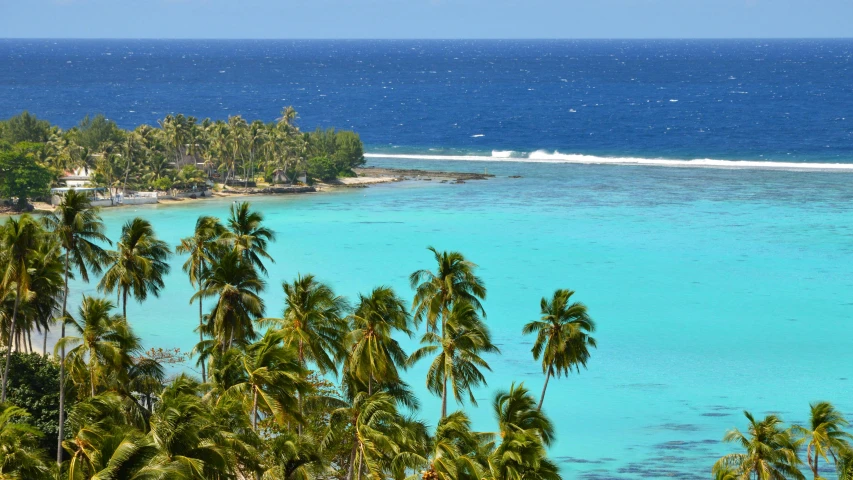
540	157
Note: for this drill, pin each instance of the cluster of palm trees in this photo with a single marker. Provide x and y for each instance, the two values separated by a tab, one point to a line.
316	392
772	451
182	151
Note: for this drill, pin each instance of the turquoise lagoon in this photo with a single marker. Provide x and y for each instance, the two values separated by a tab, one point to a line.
714	291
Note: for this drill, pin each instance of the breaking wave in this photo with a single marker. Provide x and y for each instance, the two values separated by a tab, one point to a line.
542	156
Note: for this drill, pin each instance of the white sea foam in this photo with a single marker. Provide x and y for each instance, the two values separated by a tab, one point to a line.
542	156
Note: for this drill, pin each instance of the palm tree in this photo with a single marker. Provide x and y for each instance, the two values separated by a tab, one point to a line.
104	343
844	465
188	439
272	378
313	324
137	265
524	433
237	286
562	336
248	236
375	424
78	227
19	240
293	457
203	248
824	434
457	354
454	280
47	286
374	354
452	453
19	452
771	452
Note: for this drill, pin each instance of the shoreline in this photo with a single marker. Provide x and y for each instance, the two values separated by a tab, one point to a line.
366	176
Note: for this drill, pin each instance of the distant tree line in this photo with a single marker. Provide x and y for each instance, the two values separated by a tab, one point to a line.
179	152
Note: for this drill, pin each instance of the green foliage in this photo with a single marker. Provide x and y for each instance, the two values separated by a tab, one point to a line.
24	127
163	183
21	176
35	385
93	132
322	168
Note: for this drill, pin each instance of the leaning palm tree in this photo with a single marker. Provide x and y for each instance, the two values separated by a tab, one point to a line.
272	378
19	242
203	248
236	286
524	433
771	451
20	456
248	236
562	336
374	355
458	353
824	435
453	281
138	264
79	229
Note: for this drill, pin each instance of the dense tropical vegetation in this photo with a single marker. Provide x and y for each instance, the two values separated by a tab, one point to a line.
179	152
313	391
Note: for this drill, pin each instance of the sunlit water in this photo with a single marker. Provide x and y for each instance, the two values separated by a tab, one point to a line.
714	291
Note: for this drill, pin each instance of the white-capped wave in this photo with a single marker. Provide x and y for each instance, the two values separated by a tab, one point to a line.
543	156
502	153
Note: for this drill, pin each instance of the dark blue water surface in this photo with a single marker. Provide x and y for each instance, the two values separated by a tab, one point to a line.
741	99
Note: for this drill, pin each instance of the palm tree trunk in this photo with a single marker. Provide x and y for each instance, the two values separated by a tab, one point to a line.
61	368
124	303
92	379
254	410
352	455
299	394
444	398
44	345
30	339
201	335
360	458
547	377
9	343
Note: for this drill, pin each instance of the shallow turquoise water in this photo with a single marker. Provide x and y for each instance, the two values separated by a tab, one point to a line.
714	291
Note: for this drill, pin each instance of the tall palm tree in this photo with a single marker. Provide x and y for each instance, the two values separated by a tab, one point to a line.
524	433
237	287
457	354
248	235
272	378
203	248
313	323
19	242
47	286
562	336
824	435
138	264
104	343
79	228
771	451
374	354
453	281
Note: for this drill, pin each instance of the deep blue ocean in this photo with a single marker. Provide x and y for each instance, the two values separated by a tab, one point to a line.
715	290
785	100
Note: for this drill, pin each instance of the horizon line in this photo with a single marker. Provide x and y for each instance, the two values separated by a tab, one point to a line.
423	38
